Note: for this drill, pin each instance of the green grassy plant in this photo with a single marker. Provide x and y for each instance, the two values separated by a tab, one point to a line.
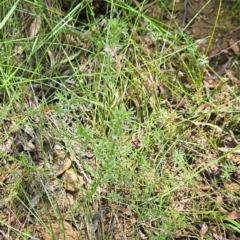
141	153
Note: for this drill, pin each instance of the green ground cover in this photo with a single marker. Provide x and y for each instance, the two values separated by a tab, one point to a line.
114	125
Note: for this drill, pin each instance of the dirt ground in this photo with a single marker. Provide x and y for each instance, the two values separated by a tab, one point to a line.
204	21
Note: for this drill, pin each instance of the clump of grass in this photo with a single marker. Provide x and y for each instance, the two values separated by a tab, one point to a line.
122	94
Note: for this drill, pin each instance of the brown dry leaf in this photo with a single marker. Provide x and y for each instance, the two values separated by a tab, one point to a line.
29	130
179	105
213	53
29	146
60	232
234	215
72	180
225	150
161	90
61	162
7	145
35	26
62	165
222	68
13	127
233	45
204	229
142	235
211	83
51	57
136	143
230	74
204	107
219	199
148	42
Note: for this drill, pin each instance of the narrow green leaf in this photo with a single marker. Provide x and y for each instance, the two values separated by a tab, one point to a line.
8	15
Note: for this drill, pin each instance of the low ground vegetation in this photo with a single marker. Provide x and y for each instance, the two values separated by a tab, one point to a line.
119	120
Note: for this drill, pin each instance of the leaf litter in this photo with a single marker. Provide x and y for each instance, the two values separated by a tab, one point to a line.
63	179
